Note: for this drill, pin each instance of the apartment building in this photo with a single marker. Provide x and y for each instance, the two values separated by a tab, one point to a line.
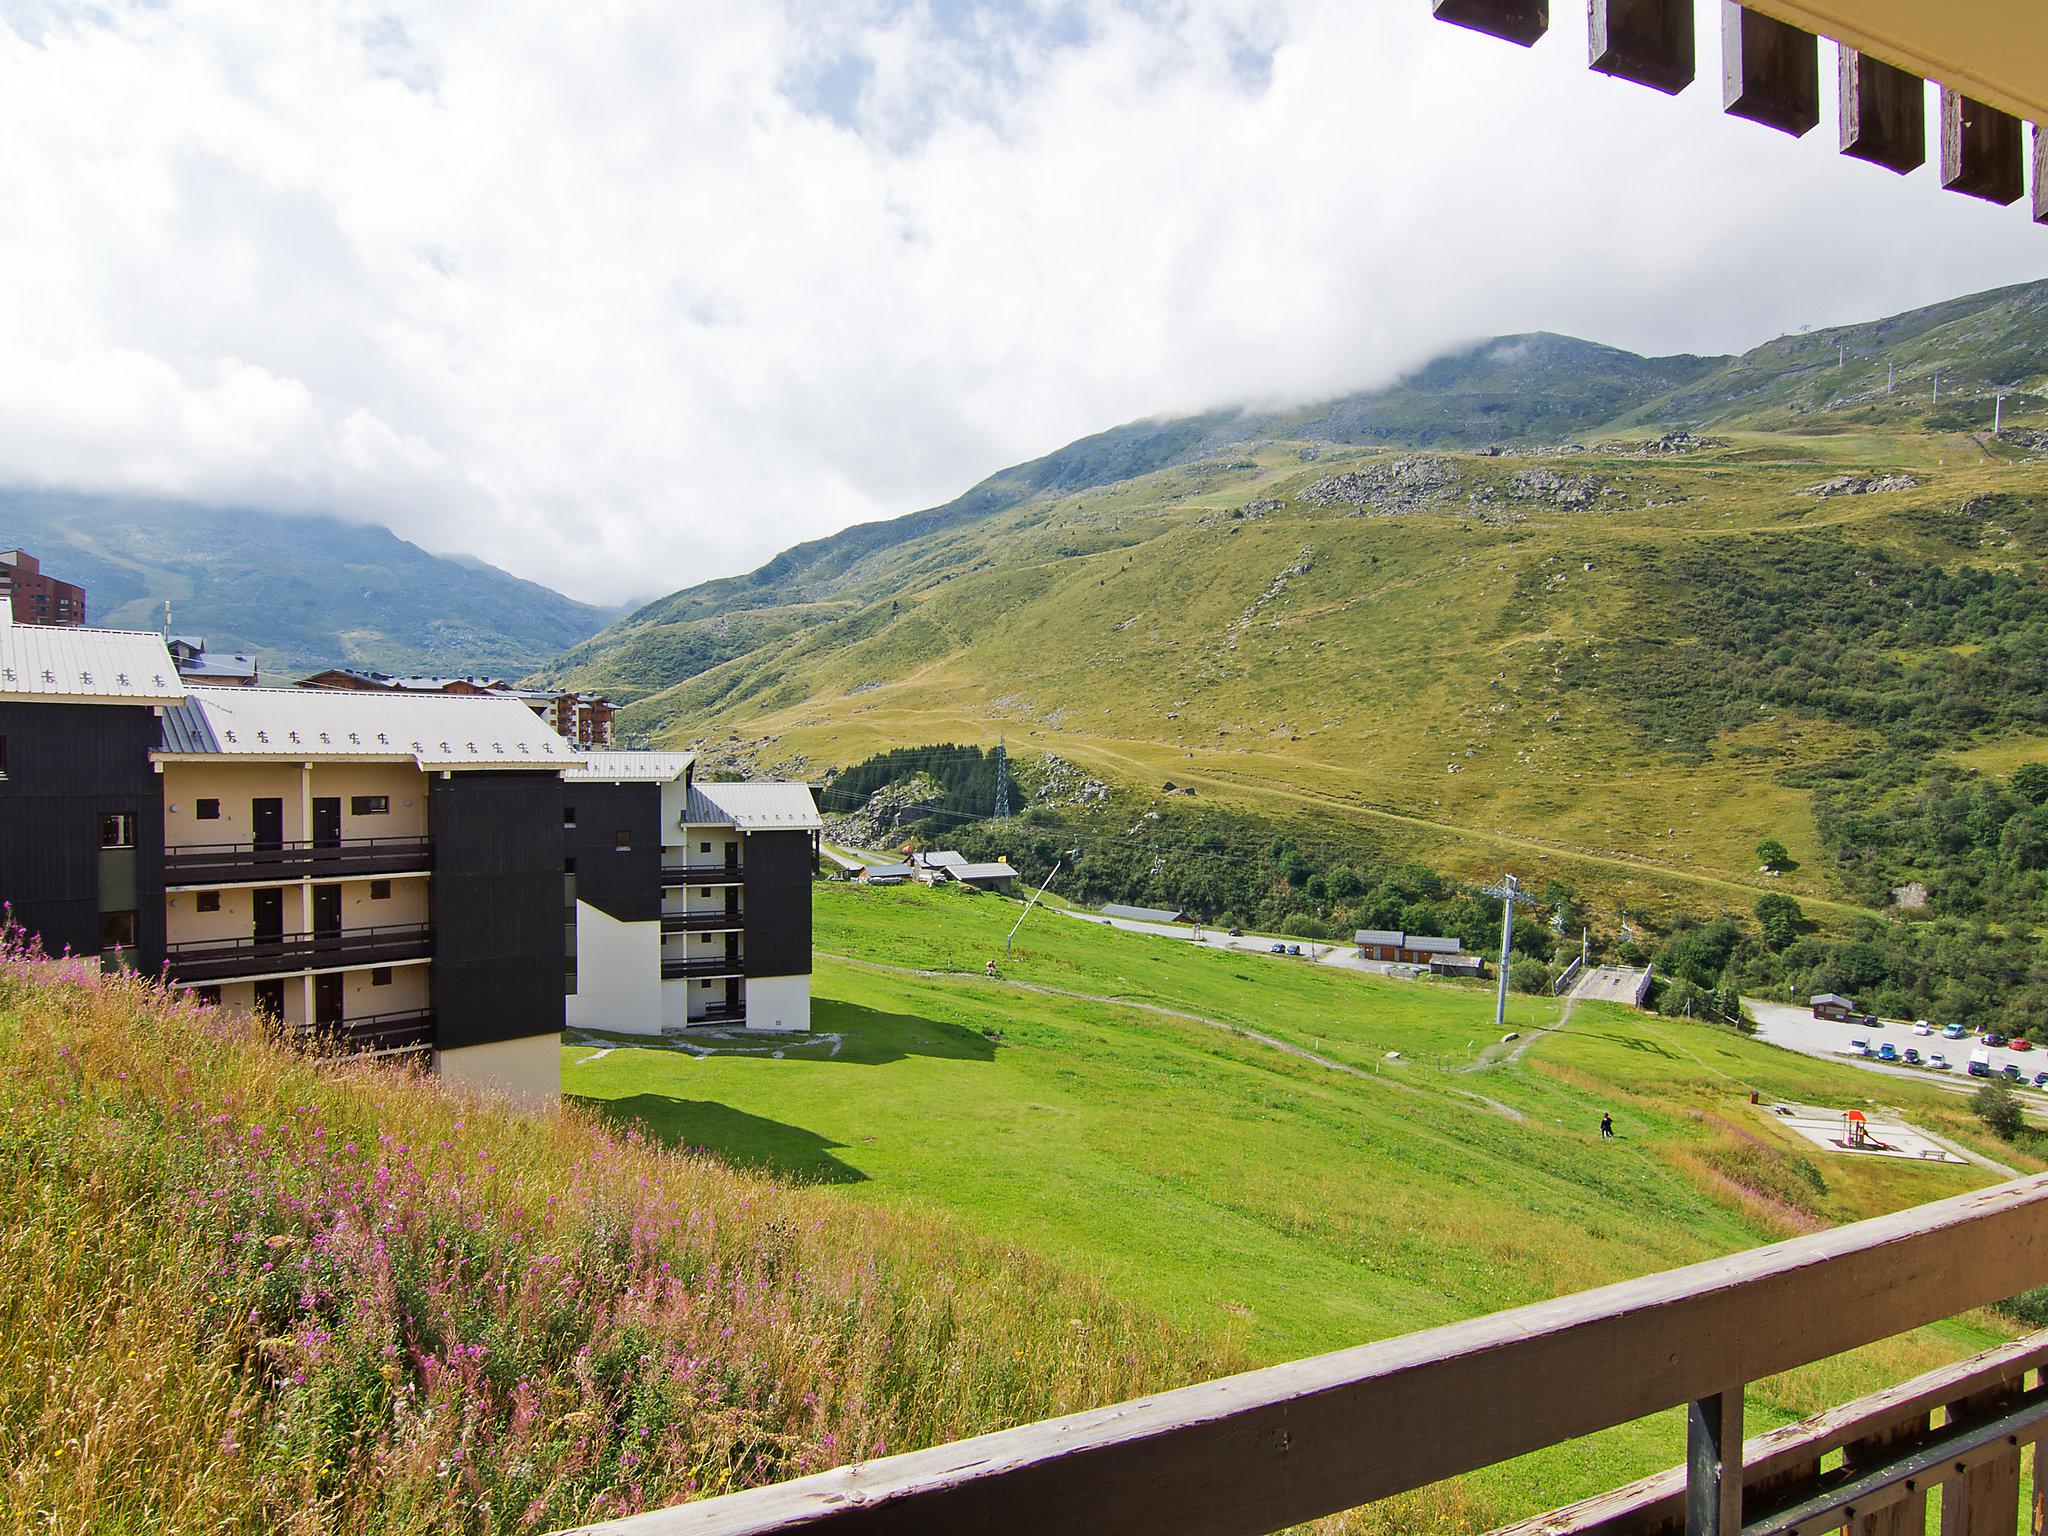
689	901
388	870
33	598
583	719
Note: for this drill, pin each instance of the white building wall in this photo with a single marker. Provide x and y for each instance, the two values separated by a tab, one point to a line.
526	1071
779	1002
675	1004
618	974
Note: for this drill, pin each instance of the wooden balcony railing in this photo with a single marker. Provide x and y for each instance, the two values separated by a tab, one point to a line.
701	874
718	965
702	922
225	959
228	863
1257	1453
380	1032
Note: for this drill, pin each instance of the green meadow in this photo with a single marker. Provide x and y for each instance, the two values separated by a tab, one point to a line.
1285	1157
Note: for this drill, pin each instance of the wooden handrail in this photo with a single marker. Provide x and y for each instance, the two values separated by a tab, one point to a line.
1255	1453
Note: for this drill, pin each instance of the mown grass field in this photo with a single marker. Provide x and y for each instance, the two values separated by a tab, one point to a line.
1275	1204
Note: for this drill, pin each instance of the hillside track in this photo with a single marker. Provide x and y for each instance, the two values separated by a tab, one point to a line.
1301	1053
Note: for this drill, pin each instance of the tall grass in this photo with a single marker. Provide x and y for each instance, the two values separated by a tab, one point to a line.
242	1289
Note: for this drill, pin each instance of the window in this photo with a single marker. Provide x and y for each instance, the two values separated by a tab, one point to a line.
703	847
208	995
369	805
568	866
623	841
568	815
117	829
381	976
703	890
209	901
206	810
380	890
117	930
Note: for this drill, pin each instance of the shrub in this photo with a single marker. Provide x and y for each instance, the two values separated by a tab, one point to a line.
1999	1108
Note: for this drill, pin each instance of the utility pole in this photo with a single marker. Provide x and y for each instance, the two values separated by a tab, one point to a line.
1998	413
1508	893
1003	781
1842	355
1891	373
1937	386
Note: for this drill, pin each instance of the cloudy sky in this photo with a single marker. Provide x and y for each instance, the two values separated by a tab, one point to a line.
625	294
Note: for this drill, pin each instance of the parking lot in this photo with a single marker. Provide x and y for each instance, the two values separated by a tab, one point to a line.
1797	1029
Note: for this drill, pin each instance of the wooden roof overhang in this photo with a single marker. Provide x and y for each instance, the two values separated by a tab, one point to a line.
1989	57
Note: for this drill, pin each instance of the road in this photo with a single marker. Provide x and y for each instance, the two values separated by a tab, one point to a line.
1342	956
1797	1029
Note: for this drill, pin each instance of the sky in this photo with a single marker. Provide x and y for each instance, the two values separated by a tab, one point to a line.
628	294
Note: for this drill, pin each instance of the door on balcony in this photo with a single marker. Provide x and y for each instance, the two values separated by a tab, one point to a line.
732	951
732	996
732	901
268	906
270	999
326	911
327	821
327	999
266	824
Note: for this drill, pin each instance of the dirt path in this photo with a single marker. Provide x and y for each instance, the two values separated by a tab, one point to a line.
1301	1053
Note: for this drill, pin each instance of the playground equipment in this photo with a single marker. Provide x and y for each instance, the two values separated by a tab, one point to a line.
1856	1133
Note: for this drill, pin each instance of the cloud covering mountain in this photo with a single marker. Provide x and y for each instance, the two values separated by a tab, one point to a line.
624	297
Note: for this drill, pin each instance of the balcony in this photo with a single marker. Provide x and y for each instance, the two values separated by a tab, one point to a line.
702	922
1274	1448
701	874
674	970
228	959
230	863
380	1032
720	1014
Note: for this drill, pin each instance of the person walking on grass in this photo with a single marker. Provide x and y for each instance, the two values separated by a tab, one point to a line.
1607	1127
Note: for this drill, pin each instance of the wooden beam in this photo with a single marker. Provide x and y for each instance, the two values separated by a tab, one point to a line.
1884	113
1517	21
1770	72
1980	150
1277	1447
1713	1465
1647	41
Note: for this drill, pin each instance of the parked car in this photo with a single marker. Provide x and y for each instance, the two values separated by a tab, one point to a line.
1887	1052
1237	933
1294	949
2041	1079
1980	1063
1939	1062
1279	949
2023	1044
1994	1039
1912	1056
2011	1070
1860	1047
1953	1032
1923	1028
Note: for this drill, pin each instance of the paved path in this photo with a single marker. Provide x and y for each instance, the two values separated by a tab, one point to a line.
1243	1033
1341	956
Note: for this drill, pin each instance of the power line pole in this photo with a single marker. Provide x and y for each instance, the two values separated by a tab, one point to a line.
1509	894
1891	374
1998	413
1002	780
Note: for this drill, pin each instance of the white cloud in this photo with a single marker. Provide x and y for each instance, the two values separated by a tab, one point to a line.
625	296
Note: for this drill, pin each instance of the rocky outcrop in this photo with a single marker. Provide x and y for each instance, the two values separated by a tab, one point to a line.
1860	485
1406	484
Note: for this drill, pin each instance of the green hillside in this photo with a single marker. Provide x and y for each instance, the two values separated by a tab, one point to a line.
298	592
1142	1111
1556	657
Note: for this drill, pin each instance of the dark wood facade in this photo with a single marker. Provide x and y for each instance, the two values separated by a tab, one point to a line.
498	941
778	898
63	766
616	843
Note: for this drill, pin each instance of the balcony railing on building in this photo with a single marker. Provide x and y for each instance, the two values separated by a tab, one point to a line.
1273	1448
206	960
379	1033
723	873
675	968
721	1013
228	863
702	922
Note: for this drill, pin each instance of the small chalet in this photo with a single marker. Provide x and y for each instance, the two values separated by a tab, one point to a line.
996	876
1141	914
886	874
1411	949
1839	1009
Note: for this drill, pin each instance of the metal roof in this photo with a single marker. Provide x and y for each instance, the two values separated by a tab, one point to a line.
217	664
1430	945
995	871
436	730
98	666
1381	936
767	806
632	767
944	858
1835	998
1139	914
888	871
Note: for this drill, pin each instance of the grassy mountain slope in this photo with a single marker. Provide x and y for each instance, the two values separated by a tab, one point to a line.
299	593
1101	1105
1480	657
